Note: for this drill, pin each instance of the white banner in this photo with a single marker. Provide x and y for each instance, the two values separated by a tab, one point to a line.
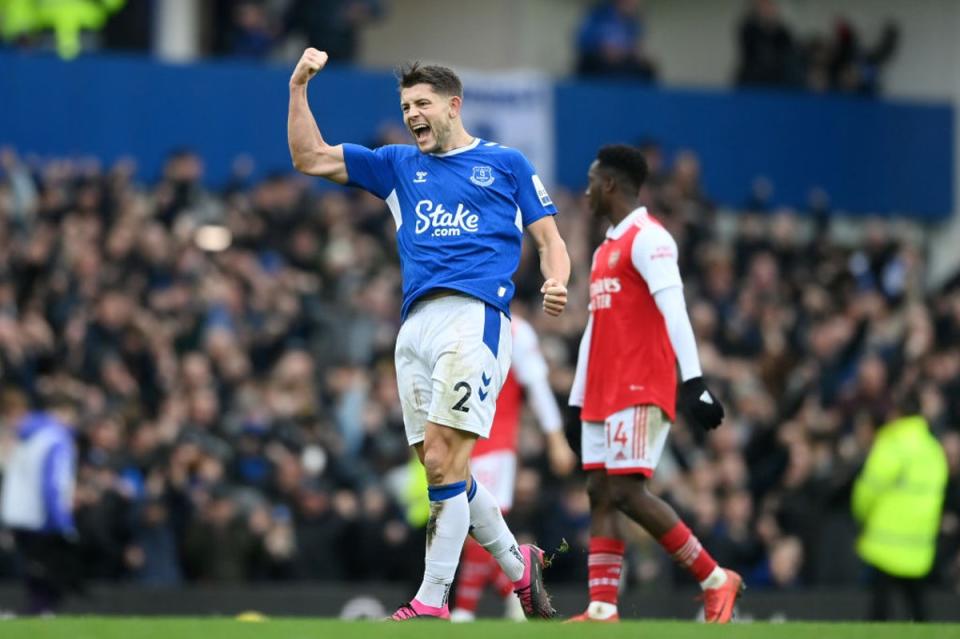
514	108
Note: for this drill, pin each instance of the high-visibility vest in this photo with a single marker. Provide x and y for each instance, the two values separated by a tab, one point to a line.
898	498
17	18
416	503
67	18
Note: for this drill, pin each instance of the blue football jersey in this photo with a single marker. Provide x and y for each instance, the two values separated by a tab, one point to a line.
460	215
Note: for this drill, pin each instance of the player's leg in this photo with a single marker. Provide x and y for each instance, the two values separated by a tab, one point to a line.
913	591
916	599
468	376
415	387
446	454
496	472
476	564
605	559
636	439
468	344
880	588
43	593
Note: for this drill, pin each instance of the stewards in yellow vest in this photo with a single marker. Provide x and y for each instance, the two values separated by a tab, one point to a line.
66	18
898	501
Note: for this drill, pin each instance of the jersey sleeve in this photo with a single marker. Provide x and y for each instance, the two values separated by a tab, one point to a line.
578	389
532	372
370	169
58	481
654	255
673	307
531	195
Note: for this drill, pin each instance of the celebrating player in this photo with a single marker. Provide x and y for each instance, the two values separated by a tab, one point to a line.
494	463
626	385
460	205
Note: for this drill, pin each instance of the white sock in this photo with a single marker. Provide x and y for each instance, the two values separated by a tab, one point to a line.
459	615
601	610
446	532
491	532
513	608
715	579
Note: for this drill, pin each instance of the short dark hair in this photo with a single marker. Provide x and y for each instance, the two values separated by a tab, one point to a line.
626	162
442	79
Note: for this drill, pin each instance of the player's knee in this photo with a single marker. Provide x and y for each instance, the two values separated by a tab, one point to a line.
624	489
598	489
436	462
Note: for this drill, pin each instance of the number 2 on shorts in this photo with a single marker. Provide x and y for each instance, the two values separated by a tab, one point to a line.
463	400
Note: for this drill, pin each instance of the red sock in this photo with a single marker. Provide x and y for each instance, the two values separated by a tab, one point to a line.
604	566
473	576
687	551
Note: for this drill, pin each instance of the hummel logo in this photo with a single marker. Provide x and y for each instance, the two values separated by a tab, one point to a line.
421	177
485	381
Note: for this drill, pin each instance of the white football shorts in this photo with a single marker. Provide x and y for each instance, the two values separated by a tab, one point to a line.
629	442
452	358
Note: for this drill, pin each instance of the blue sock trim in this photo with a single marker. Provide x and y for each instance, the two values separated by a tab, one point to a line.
442	493
473	488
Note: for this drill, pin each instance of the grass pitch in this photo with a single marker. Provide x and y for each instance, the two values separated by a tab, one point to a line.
213	628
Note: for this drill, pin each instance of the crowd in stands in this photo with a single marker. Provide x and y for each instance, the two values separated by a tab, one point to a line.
261	28
771	55
610	40
229	357
611	43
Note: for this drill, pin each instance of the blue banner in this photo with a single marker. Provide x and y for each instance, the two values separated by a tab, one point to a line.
870	156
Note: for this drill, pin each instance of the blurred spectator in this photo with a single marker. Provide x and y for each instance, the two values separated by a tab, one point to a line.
854	68
898	501
25	21
251	33
36	501
770	56
767	56
246	388
332	25
130	28
610	42
244	28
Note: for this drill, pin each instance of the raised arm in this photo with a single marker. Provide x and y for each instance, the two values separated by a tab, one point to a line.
654	255
531	370
554	264
309	152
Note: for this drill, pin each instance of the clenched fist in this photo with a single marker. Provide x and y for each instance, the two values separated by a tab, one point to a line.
310	62
554	297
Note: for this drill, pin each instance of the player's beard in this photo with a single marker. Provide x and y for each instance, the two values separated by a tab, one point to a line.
441	133
597	209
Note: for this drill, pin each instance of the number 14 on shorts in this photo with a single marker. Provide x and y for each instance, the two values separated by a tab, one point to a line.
635	438
624	440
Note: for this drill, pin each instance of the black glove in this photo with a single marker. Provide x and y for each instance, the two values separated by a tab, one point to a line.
699	405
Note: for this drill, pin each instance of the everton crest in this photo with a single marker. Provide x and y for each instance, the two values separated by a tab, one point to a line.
482	176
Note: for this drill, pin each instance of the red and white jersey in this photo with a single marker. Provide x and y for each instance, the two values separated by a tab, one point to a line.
626	358
529	377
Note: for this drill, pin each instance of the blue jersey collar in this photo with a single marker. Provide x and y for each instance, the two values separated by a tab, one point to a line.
462	149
